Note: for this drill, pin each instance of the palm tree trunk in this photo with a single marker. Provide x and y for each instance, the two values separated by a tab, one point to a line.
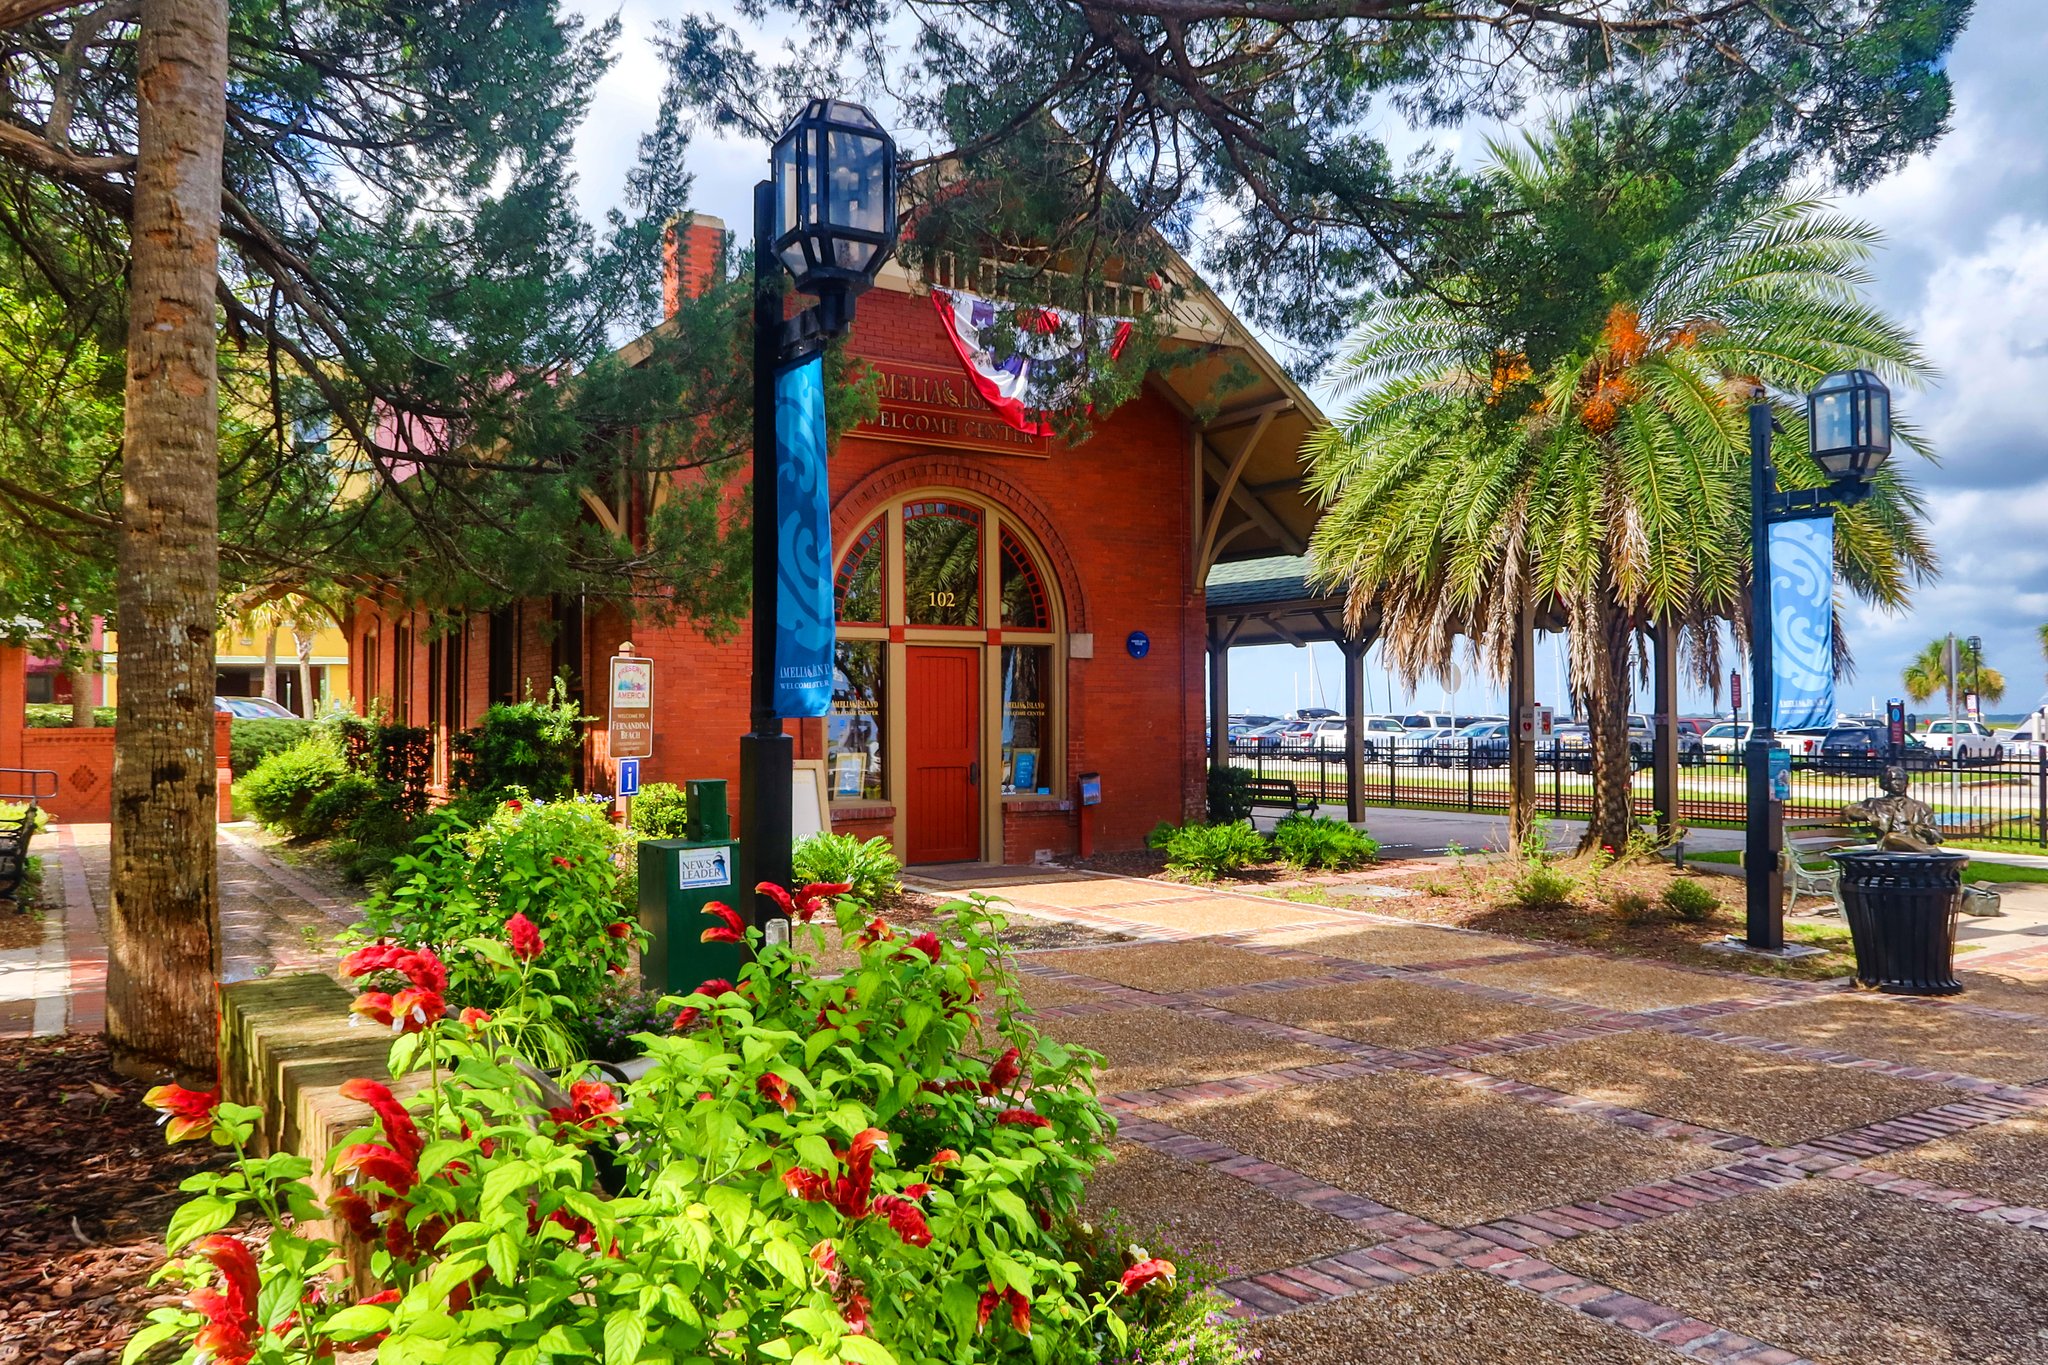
1612	819
81	698
162	923
270	664
303	644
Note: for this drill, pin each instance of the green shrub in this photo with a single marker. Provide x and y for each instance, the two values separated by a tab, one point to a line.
56	715
871	868
605	1029
1633	907
1161	832
336	809
1540	886
661	811
535	745
1316	841
1206	852
252	741
278	789
552	861
1690	900
1228	799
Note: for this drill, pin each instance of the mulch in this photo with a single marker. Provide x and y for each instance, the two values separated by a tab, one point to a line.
87	1184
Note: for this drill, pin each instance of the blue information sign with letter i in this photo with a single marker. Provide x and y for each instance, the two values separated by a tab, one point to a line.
629	777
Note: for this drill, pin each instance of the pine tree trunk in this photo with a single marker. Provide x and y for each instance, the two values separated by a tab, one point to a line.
1612	820
81	698
162	941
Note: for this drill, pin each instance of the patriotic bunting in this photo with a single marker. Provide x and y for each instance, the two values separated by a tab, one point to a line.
1026	362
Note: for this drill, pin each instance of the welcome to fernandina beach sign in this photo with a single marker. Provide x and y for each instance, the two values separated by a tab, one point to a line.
935	405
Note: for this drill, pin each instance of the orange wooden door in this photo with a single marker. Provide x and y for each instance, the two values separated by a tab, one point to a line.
943	745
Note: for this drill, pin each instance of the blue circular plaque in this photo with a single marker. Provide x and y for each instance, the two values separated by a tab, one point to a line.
1139	643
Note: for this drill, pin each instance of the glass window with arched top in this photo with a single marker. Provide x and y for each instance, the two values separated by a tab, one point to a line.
858	587
1024	601
942	564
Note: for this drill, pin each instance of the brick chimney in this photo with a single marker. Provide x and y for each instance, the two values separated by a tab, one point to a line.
691	249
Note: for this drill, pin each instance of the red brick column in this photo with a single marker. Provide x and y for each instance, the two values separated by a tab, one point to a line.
13	703
223	771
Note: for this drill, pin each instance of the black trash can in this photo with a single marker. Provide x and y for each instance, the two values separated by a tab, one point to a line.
1902	910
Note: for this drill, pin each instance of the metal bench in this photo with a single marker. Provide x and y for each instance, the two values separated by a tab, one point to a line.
1808	869
1277	793
30	786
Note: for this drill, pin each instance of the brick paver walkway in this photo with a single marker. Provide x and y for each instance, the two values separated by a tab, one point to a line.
273	919
1742	1184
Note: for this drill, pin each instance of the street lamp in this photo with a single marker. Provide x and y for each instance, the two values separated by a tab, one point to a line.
828	218
1849	427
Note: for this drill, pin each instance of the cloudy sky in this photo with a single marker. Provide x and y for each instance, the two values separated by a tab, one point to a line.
1966	263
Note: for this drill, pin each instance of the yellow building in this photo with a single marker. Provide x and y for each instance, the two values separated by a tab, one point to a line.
239	662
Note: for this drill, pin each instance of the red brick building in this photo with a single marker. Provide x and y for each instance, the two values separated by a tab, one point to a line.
1012	612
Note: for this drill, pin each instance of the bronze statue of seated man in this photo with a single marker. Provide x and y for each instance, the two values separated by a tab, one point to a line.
1900	823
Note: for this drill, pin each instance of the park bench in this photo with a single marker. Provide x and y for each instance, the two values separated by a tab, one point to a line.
17	827
1808	869
1277	793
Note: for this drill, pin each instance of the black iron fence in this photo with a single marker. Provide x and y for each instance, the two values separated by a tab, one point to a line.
2002	799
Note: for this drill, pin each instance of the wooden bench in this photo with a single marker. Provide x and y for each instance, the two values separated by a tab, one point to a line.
1277	793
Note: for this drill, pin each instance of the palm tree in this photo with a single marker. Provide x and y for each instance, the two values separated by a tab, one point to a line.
1609	478
1928	674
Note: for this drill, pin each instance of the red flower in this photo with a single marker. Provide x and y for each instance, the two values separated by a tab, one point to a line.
372	1005
945	1156
776	1090
515	806
474	1019
1007	1068
926	943
589	1102
186	1113
396	1120
875	931
917	1190
1020	1308
373	1161
1024	1118
817	896
687	1017
415	1007
716	987
826	1256
849	1192
619	929
375	957
229	1336
808	1186
779	895
354	1210
559	861
524	936
732	930
855	1311
425	970
905	1219
1144	1273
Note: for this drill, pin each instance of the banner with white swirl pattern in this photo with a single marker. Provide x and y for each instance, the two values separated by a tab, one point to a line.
1803	623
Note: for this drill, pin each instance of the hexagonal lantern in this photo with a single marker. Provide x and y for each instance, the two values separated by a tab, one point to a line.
835	203
1849	422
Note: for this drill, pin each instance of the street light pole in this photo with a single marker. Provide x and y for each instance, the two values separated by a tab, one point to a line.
1763	816
766	753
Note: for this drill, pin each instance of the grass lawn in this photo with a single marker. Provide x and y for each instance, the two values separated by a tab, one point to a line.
1975	872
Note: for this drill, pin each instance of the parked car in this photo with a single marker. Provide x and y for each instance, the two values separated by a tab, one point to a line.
1428	720
1413	745
1803	743
1484	745
254	708
1866	749
1963	741
1264	737
1723	743
1243	725
2019	744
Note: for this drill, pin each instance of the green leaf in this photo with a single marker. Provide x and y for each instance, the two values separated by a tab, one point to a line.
786	1259
357	1321
625	1332
1011	1207
502	1253
148	1338
198	1217
505	1181
866	1350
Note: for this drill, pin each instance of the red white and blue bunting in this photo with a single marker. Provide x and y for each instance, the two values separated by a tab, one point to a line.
1044	353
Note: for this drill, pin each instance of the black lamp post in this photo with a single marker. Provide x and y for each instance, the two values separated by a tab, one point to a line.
829	219
1849	425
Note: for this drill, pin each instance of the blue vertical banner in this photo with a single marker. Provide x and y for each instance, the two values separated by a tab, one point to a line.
803	583
1803	623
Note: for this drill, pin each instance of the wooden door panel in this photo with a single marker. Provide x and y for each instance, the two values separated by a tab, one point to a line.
943	752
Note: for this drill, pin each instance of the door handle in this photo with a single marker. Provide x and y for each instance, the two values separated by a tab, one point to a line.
973	773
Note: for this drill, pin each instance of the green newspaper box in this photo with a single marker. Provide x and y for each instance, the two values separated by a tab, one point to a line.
678	878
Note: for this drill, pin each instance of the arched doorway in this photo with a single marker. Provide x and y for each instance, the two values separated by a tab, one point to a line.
950	674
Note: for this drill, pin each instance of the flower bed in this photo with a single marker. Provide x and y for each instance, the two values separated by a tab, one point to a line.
881	1166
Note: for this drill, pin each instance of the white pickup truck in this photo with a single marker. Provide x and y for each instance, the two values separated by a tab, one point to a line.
1963	741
